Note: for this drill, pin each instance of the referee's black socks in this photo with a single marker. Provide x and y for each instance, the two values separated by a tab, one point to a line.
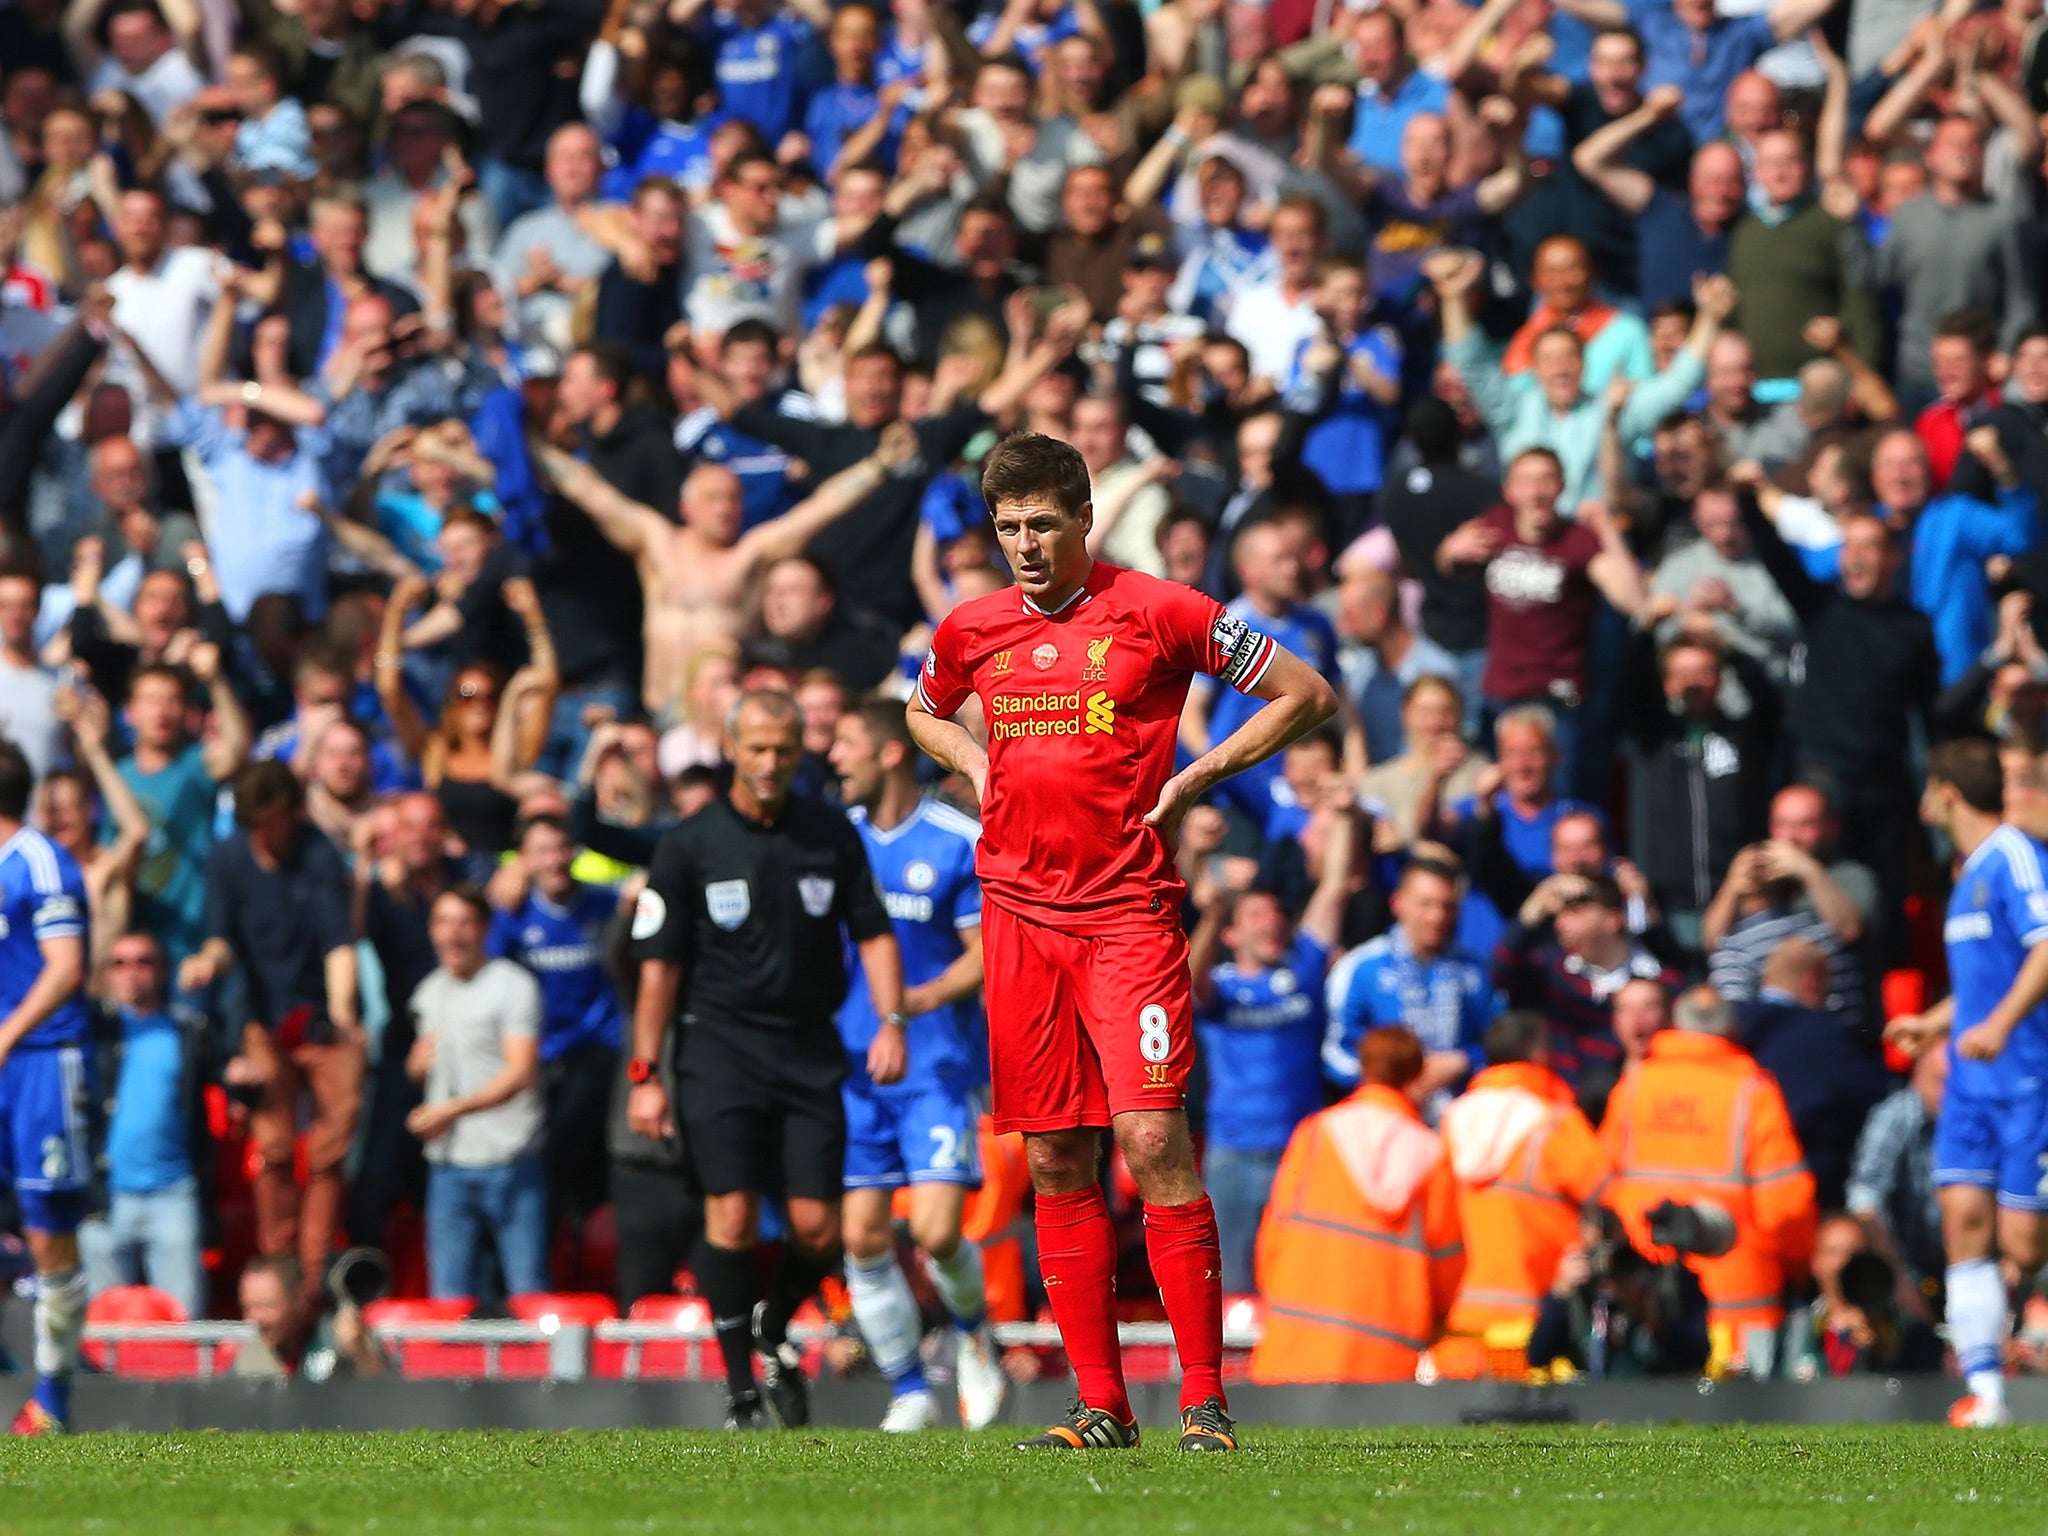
725	1276
798	1274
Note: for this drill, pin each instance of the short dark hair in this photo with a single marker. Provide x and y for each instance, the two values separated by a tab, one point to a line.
1971	325
885	721
752	329
17	781
540	819
1517	1035
745	158
613	362
264	787
1031	464
1971	766
471	895
163	671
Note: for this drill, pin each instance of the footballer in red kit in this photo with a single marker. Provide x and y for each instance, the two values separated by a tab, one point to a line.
1081	671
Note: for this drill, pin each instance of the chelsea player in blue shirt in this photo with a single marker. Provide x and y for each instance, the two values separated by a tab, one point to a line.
45	1080
1991	1141
924	1130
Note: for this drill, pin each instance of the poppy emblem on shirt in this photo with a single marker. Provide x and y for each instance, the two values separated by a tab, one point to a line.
1045	656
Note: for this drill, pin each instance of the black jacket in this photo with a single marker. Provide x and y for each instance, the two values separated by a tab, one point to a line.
1419	508
868	550
1697	794
1831	1082
304	305
26	420
637	315
1870	669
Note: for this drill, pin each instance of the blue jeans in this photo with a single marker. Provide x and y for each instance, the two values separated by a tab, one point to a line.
1239	1180
148	1239
510	190
567	733
501	1208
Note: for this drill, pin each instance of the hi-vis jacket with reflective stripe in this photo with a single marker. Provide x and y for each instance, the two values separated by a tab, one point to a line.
1526	1161
1359	1253
1698	1119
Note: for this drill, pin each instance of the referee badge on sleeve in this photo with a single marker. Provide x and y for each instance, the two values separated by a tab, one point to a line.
728	902
649	913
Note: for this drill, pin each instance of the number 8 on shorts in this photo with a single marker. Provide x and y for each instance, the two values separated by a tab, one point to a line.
1155	1036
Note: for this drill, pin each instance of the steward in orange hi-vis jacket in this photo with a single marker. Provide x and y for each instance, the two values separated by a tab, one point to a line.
1527	1162
1359	1253
1699	1120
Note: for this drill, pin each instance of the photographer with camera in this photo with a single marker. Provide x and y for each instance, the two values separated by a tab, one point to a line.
1612	1313
1701	1125
340	1345
1858	1322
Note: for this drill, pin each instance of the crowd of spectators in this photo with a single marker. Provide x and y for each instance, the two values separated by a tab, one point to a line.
420	418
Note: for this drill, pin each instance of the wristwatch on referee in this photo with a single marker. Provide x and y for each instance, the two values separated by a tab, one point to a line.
639	1070
895	1018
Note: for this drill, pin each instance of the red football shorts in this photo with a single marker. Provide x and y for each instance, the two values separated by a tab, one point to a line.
1083	1027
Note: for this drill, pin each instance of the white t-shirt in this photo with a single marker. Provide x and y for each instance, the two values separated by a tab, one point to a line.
739	277
470	1022
28	715
164	312
1271	329
166	85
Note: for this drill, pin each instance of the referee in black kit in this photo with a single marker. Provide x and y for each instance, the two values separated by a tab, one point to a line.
739	936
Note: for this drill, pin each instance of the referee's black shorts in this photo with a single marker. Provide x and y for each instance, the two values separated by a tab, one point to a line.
760	1109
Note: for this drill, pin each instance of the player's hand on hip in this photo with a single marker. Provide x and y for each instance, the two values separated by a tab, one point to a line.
1177	797
886	1055
647	1111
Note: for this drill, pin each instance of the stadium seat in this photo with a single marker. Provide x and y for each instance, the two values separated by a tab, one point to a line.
146	1361
584	1307
1905	991
663	1359
534	1362
427	1357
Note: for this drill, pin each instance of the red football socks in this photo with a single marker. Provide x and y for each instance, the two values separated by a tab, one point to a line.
1187	1264
1077	1256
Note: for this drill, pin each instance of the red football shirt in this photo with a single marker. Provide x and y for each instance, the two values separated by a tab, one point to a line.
1083	708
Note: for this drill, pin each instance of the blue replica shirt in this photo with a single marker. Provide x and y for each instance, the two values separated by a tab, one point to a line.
648	146
1259	1032
756	70
42	896
1033	39
1447	1001
564	948
1378	120
1308	635
1219	265
1996	913
148	1146
765	487
414	527
1527	838
836	111
924	866
1347	445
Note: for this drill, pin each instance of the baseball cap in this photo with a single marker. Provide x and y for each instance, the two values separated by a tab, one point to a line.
1149	250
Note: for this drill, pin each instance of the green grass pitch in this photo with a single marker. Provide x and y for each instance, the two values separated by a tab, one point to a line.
839	1483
